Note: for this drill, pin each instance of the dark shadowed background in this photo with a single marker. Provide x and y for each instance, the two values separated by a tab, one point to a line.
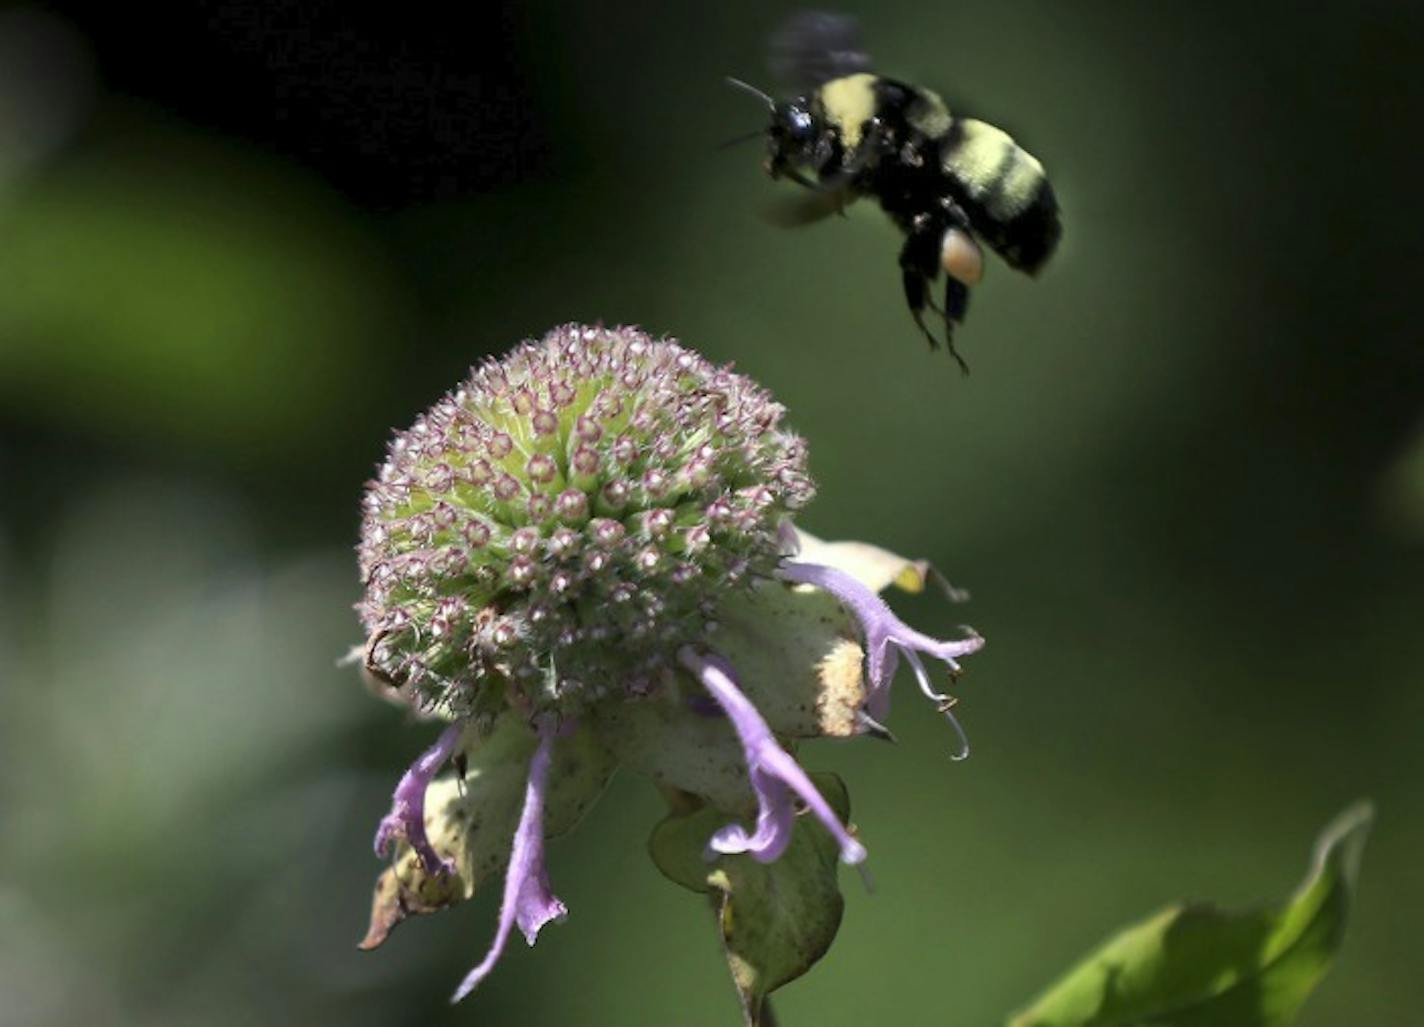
239	242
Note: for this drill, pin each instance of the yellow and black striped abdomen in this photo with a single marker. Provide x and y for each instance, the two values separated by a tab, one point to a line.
1017	211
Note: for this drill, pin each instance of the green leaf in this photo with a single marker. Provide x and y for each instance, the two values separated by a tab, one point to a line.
1192	966
777	919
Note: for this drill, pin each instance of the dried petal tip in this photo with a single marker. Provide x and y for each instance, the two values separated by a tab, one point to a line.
776	778
886	639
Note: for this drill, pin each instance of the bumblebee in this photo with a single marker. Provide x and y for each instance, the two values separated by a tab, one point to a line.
946	181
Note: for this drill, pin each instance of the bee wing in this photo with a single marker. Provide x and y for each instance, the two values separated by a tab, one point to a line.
813	47
805	207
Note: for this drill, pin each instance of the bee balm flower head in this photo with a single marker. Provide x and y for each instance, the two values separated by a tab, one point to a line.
580	559
551	532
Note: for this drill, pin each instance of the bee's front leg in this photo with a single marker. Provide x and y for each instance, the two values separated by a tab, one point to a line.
840	171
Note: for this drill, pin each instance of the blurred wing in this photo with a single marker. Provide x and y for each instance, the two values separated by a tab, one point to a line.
805	207
813	47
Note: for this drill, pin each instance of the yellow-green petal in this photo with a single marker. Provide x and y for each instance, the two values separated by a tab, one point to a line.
874	567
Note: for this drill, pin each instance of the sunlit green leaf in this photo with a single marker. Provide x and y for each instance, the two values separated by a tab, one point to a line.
776	919
1193	966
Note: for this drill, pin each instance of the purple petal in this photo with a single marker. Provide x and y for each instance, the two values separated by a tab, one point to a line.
407	816
528	899
886	636
775	776
775	820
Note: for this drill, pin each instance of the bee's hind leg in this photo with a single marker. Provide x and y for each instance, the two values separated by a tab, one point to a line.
919	266
917	298
956	305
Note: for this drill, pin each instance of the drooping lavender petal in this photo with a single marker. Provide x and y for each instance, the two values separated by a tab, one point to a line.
407	816
775	776
528	901
886	636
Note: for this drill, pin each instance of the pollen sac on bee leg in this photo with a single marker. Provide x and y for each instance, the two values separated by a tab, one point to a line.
961	257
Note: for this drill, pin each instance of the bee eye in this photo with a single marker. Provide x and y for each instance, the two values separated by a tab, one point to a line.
794	124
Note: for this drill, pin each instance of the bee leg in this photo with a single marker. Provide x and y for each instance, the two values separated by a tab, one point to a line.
800	179
956	304
840	179
919	264
916	295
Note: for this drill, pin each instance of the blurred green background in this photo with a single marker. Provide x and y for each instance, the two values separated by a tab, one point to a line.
239	242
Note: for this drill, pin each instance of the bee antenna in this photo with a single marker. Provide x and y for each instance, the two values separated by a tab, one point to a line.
747	87
744	137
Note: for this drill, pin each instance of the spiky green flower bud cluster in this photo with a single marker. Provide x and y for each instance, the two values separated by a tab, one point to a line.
551	531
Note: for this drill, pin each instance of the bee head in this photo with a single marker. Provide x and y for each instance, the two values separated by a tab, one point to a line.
792	136
793	132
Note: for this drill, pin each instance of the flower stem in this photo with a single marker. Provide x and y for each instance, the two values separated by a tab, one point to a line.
763	1017
768	1015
